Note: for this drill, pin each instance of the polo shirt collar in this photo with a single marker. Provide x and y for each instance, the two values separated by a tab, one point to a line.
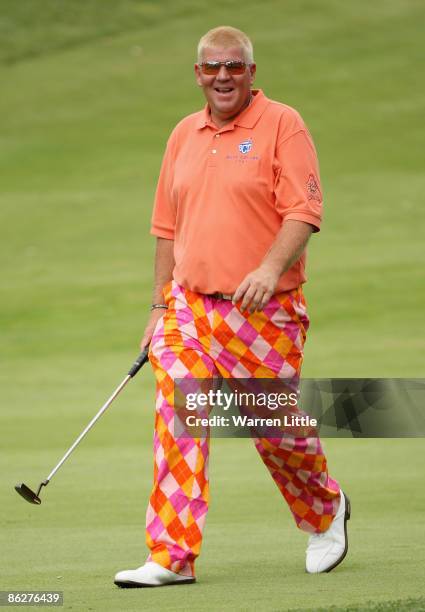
247	118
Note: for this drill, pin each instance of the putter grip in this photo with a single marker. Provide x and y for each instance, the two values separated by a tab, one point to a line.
141	360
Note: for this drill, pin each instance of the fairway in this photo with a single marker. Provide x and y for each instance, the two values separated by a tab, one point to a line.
90	93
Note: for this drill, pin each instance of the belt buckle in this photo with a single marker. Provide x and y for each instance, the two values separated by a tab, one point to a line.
222	296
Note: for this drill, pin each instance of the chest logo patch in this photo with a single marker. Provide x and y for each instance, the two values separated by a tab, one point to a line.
245	146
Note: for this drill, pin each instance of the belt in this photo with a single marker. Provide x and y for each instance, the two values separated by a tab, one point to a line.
220	296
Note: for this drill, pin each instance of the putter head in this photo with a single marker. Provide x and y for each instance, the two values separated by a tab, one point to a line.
27	494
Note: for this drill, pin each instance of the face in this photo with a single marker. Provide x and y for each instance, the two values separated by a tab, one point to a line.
226	94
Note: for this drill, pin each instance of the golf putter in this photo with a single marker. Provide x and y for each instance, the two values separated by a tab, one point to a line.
34	498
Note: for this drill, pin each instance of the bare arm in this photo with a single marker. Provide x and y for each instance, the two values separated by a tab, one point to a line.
164	265
258	286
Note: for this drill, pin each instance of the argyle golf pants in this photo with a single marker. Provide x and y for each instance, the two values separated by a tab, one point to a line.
202	337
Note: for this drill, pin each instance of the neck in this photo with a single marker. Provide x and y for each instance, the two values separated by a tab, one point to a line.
220	121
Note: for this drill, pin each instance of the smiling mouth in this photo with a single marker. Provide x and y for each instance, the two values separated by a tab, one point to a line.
223	90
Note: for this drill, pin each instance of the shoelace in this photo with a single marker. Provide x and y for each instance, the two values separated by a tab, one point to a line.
314	539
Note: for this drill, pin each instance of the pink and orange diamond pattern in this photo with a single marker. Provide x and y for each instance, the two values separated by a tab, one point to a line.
202	337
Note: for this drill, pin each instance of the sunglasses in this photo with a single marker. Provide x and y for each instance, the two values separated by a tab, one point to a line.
232	67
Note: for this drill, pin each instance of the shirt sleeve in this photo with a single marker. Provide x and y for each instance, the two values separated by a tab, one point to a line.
163	221
297	183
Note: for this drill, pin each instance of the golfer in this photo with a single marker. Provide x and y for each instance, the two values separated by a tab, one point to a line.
237	199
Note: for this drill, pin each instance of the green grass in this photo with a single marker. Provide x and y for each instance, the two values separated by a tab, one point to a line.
90	91
91	524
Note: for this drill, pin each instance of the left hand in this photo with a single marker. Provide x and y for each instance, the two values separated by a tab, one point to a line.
257	288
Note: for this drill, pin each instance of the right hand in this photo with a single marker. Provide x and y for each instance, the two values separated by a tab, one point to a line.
155	316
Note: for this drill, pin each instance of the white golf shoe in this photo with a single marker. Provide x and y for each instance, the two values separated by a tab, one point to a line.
150	574
326	550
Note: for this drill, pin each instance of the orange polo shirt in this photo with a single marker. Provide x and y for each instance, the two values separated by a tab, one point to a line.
223	193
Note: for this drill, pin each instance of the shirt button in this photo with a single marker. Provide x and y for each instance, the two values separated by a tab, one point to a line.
217	135
214	151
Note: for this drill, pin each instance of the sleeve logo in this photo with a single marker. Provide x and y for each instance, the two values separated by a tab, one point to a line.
313	189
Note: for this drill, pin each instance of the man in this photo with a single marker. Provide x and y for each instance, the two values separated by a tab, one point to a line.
237	199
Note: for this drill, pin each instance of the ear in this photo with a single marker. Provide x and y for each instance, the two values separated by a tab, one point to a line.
252	71
198	74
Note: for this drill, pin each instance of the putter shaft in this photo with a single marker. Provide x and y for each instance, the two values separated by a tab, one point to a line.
33	497
89	426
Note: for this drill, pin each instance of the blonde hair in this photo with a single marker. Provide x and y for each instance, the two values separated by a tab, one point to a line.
226	37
